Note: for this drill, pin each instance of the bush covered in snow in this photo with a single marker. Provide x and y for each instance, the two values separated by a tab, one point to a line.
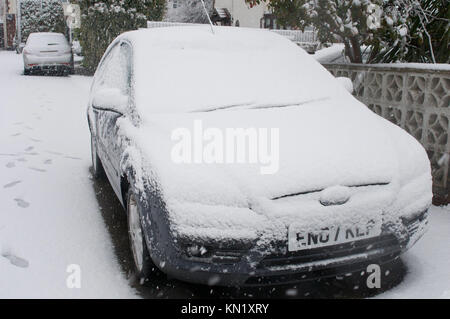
394	30
189	11
41	16
422	35
102	21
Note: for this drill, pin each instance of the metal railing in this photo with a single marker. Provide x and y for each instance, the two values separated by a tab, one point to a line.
297	36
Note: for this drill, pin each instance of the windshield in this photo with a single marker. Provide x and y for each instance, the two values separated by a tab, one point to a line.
231	69
43	39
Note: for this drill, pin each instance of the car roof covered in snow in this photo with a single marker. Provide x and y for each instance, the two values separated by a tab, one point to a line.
190	68
36	34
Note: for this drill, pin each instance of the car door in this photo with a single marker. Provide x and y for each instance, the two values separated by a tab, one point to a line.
111	98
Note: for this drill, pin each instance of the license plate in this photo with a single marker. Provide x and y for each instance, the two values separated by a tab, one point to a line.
299	239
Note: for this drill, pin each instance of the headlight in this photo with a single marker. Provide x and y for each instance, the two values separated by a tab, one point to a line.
214	252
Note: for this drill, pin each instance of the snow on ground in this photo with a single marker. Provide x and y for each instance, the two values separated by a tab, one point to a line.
428	262
49	216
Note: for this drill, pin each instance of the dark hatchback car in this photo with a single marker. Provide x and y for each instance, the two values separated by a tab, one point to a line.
344	187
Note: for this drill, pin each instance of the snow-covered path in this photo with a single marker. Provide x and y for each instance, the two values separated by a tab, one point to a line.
49	216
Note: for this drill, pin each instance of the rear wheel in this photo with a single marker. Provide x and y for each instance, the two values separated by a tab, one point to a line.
141	257
97	167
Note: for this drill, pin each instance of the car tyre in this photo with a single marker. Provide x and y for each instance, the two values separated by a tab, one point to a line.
26	71
142	261
97	168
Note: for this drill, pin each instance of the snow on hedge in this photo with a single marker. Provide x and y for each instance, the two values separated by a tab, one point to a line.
41	16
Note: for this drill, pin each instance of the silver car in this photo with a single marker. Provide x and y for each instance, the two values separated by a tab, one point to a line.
47	51
350	187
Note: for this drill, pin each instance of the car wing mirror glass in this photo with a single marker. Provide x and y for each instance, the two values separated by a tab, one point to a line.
346	83
110	99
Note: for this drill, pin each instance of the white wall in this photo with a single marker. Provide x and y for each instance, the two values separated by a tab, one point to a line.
248	17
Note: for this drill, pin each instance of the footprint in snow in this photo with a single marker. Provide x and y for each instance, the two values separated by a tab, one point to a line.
54	153
10	165
21	159
21	203
29	148
73	157
17	134
16	261
11	184
37	169
35	140
48	161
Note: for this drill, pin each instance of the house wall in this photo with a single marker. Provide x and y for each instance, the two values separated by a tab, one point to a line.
239	10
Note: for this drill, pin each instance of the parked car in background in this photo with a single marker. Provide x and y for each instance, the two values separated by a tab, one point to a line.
352	188
47	51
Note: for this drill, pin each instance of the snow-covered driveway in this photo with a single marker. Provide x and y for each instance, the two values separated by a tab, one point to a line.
49	214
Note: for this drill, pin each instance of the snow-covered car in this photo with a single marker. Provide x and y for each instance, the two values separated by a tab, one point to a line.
349	187
47	51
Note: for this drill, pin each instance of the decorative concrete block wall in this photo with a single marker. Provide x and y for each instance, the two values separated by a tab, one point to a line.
415	97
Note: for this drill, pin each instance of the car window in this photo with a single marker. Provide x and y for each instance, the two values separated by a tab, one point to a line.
115	70
46	39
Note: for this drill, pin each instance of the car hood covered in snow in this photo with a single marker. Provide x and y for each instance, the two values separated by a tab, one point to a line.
321	144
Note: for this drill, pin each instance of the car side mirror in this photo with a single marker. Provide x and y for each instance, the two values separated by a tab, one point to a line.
346	83
21	46
111	99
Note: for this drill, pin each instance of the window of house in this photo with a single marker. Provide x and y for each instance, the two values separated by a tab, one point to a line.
175	4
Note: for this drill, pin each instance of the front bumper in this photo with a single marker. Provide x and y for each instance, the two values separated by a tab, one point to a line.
226	266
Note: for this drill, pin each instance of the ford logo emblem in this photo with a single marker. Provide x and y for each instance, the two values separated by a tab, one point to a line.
335	195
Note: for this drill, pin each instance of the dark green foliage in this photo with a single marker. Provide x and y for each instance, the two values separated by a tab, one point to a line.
41	16
426	23
102	21
393	30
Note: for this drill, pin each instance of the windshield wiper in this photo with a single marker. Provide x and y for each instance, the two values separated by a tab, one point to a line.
252	106
279	105
224	107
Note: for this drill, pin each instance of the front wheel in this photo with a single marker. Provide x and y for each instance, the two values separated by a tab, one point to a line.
142	261
26	71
